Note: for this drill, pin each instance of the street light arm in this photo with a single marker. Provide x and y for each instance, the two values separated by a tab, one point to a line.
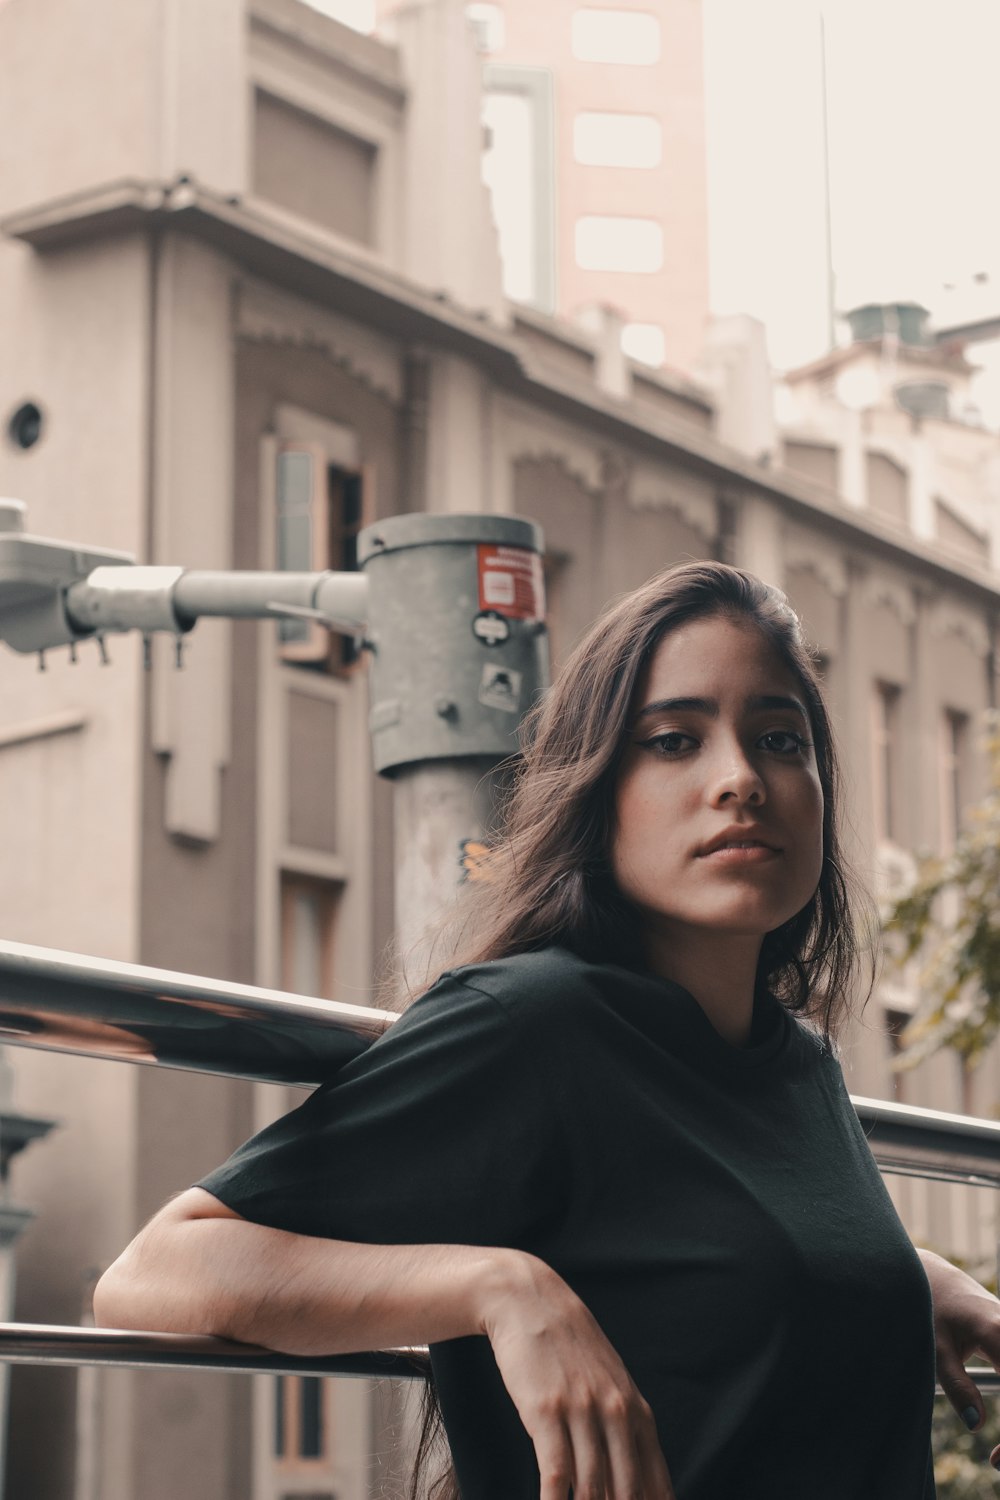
55	593
173	599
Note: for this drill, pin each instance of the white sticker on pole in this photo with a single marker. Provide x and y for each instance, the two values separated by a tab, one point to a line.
500	687
511	582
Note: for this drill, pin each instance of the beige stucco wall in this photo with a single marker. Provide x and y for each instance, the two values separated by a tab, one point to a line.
814	461
158	86
888	487
939	478
76	341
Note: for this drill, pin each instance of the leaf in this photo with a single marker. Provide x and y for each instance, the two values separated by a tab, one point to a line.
946	929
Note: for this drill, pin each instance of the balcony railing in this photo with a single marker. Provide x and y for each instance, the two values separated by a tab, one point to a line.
98	1008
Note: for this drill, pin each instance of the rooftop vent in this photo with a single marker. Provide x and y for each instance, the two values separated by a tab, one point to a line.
903	320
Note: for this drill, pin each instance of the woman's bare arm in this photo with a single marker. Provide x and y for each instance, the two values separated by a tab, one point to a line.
197	1267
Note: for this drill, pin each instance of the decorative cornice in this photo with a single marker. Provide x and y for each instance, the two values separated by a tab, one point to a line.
265	315
16	1132
13	1223
878	591
536	439
262	242
655	488
828	565
950	619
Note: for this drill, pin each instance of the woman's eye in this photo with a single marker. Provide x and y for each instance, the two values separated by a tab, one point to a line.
784	742
671	743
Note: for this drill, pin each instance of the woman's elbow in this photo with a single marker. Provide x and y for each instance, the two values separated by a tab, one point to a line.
117	1295
152	1285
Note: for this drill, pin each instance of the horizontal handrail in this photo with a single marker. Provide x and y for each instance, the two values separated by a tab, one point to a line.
69	1002
916	1142
98	1007
38	1343
32	1343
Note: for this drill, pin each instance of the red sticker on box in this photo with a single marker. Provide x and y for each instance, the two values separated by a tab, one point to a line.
511	582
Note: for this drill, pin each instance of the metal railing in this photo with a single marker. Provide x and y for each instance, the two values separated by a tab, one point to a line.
99	1008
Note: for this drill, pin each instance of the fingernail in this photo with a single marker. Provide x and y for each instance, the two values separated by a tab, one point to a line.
970	1417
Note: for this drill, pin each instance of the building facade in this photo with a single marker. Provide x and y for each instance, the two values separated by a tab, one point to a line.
241	320
595	159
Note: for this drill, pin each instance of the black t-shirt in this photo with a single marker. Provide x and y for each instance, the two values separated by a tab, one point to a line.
717	1209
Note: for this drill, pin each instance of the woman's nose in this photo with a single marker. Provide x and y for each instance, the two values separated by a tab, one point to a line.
737	779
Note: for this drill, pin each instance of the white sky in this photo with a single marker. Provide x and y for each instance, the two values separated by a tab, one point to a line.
914	115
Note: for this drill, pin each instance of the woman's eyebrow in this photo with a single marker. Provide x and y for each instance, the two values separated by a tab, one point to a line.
674	705
710	706
778	700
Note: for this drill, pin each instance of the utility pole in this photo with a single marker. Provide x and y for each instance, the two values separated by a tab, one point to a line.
459	653
450	607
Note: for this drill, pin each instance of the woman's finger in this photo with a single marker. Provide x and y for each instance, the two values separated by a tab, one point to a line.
554	1456
590	1480
959	1387
625	1469
655	1481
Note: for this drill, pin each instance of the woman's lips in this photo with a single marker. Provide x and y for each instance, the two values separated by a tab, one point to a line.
742	854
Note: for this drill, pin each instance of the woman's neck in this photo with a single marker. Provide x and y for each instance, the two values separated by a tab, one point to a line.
720	971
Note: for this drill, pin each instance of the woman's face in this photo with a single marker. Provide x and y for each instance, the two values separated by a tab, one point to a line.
719	808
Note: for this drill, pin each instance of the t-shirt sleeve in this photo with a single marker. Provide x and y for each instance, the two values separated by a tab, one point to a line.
443	1131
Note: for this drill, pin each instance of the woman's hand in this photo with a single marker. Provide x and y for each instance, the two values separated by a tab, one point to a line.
198	1267
591	1428
966	1321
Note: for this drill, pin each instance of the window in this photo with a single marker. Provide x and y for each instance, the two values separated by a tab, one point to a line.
954	749
645	342
320	508
301	1429
609	242
604	139
518	168
308	923
308	918
615	36
307	165
555	566
508	165
886	747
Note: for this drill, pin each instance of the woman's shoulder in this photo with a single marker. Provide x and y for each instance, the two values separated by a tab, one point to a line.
530	988
493	1008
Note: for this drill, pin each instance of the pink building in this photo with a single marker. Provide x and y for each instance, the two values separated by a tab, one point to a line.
595	155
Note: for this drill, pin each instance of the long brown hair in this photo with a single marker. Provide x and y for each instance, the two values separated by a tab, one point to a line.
549	873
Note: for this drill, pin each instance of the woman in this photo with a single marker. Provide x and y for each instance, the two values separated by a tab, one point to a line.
602	1167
